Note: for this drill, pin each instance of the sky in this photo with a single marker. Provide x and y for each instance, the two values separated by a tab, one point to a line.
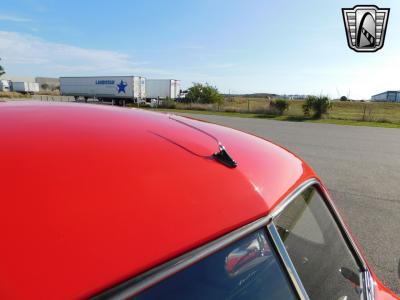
282	46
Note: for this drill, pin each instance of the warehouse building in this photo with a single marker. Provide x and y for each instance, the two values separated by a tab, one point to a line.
388	96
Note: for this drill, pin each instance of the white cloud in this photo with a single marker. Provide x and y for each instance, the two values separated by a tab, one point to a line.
29	55
13	19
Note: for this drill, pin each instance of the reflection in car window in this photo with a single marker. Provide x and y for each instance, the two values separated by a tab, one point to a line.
247	269
317	248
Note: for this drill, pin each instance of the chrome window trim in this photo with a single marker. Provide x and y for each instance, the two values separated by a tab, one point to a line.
281	206
137	284
287	262
369	285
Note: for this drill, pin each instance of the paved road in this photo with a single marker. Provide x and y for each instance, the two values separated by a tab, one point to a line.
361	167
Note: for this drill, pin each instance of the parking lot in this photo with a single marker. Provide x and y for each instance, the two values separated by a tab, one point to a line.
360	166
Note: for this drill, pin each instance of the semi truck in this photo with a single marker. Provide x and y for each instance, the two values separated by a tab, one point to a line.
25	87
162	88
116	89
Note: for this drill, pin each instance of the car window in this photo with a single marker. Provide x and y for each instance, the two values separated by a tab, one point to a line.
314	242
247	269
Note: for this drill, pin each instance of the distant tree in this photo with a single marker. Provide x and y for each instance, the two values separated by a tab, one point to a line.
195	92
319	106
204	93
343	98
45	86
2	72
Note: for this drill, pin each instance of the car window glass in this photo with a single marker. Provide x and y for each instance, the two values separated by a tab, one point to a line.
306	226
325	264
247	269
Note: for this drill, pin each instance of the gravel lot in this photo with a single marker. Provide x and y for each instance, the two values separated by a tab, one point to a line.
360	166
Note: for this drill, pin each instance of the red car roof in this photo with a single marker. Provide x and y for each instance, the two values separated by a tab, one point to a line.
93	195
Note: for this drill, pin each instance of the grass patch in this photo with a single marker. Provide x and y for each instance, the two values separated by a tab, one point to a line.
10	95
357	123
49	93
206	112
291	118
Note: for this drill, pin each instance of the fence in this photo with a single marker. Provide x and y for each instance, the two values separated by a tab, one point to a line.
53	98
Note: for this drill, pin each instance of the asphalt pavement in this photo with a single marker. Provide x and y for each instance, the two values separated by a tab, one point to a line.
361	168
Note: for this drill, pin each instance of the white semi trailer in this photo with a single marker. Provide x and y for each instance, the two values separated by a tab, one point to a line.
163	88
25	87
118	89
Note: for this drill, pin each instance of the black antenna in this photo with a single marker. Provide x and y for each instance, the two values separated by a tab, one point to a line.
222	155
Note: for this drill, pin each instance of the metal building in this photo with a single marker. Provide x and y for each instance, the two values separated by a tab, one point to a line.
388	96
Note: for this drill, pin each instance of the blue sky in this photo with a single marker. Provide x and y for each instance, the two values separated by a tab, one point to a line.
239	46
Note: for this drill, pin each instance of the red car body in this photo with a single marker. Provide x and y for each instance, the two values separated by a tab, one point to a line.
94	195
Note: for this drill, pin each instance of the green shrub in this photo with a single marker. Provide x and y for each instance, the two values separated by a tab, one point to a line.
45	86
318	106
204	93
279	106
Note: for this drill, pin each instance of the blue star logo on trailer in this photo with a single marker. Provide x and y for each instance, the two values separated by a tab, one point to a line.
121	87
